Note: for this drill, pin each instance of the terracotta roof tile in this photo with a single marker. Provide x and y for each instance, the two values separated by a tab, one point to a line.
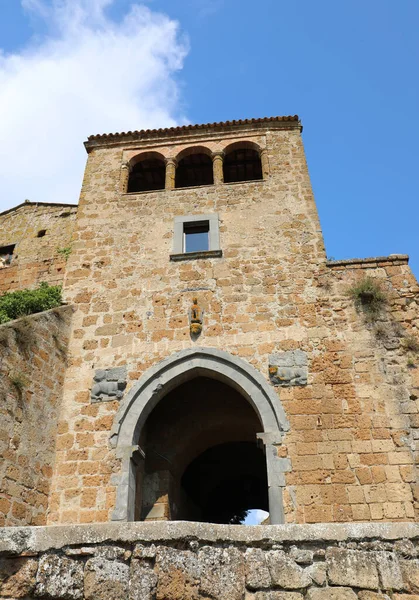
186	128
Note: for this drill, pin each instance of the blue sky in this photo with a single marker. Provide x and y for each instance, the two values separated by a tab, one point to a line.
348	69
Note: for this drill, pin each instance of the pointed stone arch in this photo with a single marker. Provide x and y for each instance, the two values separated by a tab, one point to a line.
166	375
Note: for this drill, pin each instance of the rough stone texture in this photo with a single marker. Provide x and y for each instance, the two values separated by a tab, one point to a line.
59	577
257	572
410	570
372	596
178	575
105	580
389	571
222	573
337	593
35	258
191	561
143	581
278	596
34	351
318	573
17	577
351	567
285	572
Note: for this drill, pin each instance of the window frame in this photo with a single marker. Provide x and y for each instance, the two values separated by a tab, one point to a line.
179	250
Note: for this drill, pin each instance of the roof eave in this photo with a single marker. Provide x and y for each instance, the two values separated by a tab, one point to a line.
189	131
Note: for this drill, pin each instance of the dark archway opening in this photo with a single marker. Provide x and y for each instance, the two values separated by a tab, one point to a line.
226	481
147	175
242	164
194	169
202	461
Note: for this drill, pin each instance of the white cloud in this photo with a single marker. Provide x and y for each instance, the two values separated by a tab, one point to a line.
88	75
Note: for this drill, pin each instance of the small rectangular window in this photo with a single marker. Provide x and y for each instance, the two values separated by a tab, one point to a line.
196	236
6	255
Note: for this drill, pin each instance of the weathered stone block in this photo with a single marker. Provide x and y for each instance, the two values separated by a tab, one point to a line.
278	596
223	573
112	552
285	572
372	596
105	579
257	572
59	577
333	593
143	581
318	573
301	556
141	551
389	570
178	574
352	567
17	577
410	573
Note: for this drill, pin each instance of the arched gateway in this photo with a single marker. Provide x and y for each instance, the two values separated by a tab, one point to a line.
178	372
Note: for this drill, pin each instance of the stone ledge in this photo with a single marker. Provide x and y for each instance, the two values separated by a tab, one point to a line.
195	255
393	258
18	540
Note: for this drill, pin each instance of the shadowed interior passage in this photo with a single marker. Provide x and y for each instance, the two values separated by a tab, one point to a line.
202	461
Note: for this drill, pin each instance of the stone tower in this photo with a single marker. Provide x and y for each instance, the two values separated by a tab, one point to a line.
217	361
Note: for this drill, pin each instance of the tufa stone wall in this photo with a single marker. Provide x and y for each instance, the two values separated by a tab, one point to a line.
185	561
35	259
32	367
351	443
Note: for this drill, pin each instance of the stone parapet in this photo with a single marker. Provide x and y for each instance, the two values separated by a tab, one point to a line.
368	263
185	560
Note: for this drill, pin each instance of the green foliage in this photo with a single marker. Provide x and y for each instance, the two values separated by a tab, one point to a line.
368	295
18	380
65	252
27	302
411	343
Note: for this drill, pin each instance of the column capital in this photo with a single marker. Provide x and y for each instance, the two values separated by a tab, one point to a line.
170	161
217	154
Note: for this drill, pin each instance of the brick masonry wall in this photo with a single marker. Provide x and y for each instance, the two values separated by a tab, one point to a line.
32	366
187	561
35	258
353	438
351	442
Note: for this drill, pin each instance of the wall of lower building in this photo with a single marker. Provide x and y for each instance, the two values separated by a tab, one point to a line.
187	561
36	259
33	353
354	428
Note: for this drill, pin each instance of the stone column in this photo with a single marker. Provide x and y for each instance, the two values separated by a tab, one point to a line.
217	165
276	468
265	163
171	165
124	178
